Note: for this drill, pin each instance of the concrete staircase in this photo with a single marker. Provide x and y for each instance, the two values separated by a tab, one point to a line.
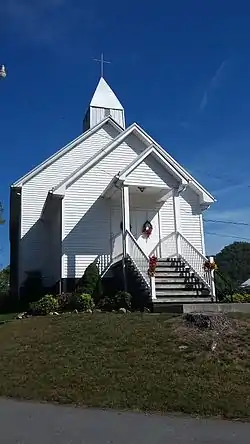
176	283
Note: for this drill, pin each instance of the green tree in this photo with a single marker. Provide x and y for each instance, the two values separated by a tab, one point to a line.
233	264
1	215
5	280
90	283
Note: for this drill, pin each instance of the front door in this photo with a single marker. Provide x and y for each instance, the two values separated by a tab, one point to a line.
138	217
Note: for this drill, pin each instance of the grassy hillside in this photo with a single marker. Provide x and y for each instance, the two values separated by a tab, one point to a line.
127	361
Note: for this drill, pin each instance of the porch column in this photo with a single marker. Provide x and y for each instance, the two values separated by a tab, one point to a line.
125	217
177	219
213	289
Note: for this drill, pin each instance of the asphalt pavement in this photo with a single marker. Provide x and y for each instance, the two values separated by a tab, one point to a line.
34	423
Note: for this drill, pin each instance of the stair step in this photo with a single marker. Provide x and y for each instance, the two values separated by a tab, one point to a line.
180	292
175	278
176	299
178	285
170	269
170	264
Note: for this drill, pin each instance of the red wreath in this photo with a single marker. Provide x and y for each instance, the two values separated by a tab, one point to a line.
152	265
209	266
147	229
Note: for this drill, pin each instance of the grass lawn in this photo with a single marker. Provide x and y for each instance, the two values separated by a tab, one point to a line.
7	317
128	362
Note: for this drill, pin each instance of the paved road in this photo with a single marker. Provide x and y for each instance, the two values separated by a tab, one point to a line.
31	423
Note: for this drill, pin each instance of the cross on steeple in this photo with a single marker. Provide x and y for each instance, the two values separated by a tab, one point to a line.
102	61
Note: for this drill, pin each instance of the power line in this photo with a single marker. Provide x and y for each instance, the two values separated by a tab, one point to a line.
228	235
227	222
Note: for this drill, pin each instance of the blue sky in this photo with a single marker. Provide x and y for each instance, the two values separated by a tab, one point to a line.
181	70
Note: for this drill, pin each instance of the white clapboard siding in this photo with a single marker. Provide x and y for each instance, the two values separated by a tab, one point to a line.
52	226
190	212
89	237
151	172
167	227
87	227
34	194
98	114
118	116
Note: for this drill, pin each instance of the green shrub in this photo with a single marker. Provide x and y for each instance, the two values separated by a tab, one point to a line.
8	304
65	301
90	283
82	302
44	306
122	299
106	304
98	291
32	290
238	297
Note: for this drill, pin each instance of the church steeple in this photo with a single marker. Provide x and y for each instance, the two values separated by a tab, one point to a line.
104	103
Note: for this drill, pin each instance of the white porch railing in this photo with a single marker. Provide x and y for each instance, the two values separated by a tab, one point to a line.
195	260
139	258
176	245
103	262
173	245
166	248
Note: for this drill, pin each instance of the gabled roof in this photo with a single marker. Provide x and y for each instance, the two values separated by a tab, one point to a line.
190	179
61	187
104	97
151	144
20	182
146	153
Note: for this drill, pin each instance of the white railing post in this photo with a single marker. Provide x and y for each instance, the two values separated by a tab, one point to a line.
139	258
125	217
153	291
178	244
213	289
177	220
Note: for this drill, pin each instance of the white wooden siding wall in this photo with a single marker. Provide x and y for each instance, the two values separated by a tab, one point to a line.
34	194
118	116
167	227
150	172
190	218
87	216
52	224
115	229
98	114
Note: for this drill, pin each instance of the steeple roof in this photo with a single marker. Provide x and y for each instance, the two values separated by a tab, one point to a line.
104	97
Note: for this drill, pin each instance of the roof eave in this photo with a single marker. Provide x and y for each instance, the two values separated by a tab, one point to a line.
20	182
186	174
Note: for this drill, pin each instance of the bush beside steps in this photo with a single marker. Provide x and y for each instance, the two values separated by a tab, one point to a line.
54	305
237	298
88	295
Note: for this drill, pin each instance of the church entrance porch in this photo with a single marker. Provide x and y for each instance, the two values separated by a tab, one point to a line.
180	274
142	209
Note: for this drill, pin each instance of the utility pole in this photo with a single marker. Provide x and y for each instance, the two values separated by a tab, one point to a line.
2	76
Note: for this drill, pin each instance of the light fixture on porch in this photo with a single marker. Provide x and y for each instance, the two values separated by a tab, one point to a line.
141	189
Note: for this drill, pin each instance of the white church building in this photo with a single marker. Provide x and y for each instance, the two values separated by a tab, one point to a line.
113	195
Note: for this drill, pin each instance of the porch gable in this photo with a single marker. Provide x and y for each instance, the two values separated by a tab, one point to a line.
150	169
